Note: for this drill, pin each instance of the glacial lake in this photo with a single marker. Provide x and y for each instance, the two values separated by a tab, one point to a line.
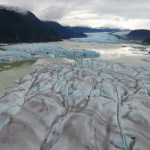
12	71
132	54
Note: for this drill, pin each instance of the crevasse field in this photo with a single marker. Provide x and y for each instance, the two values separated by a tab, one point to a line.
85	93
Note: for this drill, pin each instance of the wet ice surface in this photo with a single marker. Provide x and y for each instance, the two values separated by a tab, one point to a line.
93	105
20	52
13	56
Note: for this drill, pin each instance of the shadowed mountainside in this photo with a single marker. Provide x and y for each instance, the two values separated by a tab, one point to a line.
146	41
63	31
81	29
141	34
24	27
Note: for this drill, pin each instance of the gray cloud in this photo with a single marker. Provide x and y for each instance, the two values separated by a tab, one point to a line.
51	13
120	13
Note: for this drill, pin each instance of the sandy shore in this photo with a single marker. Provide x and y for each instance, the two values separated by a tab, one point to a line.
93	105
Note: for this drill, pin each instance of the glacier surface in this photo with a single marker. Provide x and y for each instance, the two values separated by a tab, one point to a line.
104	37
93	104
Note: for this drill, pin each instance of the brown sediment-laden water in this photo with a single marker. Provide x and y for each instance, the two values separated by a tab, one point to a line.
9	72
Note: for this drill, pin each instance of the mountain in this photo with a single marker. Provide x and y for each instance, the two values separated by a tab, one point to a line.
17	25
81	29
147	41
63	31
139	34
142	34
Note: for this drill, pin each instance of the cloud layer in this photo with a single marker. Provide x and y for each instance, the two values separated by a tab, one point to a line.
133	14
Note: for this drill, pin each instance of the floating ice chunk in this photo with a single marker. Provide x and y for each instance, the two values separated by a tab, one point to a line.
17	81
7	66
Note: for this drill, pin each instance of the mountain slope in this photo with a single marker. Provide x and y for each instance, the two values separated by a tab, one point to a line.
64	32
24	27
89	30
143	35
139	34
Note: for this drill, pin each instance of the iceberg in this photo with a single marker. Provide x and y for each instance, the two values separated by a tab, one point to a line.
12	56
35	51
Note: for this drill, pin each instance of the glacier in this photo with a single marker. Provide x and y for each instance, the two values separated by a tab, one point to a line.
19	52
105	37
13	56
93	104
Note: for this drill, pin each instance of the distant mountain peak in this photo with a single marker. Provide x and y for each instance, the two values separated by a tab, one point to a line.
14	9
64	32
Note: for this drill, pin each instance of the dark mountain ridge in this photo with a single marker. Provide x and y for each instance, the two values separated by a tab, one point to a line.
16	26
63	31
141	34
82	29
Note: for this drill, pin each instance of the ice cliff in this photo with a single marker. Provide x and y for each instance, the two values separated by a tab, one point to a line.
19	52
94	105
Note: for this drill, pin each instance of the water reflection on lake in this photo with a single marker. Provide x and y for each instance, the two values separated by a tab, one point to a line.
132	54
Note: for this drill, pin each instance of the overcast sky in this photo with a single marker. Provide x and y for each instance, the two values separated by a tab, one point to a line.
134	14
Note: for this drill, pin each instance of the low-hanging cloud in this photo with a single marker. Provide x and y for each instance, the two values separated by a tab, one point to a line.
118	13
